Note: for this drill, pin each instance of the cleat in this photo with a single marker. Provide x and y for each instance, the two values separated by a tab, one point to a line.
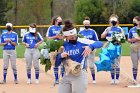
36	81
112	81
16	81
3	82
116	81
56	82
94	81
29	81
134	82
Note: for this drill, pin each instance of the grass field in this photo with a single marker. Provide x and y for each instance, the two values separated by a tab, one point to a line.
125	49
20	50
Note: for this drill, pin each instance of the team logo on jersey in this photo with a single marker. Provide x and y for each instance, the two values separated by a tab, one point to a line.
73	52
55	32
30	37
53	29
9	38
89	36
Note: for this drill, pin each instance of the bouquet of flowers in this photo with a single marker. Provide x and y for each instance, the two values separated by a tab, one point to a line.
48	50
118	38
138	31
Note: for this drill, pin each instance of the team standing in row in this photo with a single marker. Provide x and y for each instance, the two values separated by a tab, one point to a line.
32	39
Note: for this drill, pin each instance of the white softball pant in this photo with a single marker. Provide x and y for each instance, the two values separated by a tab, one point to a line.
91	62
74	84
135	56
32	55
9	55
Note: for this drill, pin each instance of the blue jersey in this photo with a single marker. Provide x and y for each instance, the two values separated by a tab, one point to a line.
53	30
13	36
31	39
89	34
75	50
114	29
132	33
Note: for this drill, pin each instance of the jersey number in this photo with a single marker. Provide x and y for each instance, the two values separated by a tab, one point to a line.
31	41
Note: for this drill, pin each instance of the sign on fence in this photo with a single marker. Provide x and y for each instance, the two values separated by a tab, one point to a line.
4	31
23	31
125	30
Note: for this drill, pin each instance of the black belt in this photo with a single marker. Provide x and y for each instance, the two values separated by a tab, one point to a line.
29	48
9	49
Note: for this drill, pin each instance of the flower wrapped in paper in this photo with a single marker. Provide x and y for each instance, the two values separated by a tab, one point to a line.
118	37
138	31
72	67
49	50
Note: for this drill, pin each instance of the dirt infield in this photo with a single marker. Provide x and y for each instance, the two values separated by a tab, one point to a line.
46	80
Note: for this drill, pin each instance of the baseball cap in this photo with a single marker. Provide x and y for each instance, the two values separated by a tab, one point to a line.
113	19
9	24
86	22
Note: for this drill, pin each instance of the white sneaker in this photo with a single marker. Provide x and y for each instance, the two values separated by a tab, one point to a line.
3	82
36	81
112	81
16	81
29	81
56	82
94	81
116	81
134	82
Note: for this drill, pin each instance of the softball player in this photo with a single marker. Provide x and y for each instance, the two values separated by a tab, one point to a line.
132	38
9	40
90	34
115	73
53	33
76	49
31	40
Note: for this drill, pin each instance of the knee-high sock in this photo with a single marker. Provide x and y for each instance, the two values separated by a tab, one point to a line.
29	73
135	73
56	73
92	73
36	74
112	74
117	73
62	70
4	74
15	74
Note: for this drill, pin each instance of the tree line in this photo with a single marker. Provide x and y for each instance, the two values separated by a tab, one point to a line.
24	12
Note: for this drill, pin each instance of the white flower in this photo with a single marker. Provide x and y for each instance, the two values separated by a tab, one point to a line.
109	38
45	53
